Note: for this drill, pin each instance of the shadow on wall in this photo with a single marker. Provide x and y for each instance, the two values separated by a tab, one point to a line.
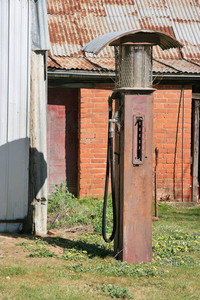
18	186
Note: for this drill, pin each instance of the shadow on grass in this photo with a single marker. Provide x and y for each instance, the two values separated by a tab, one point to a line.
92	249
182	215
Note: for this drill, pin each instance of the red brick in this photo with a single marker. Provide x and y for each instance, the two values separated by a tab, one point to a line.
166	107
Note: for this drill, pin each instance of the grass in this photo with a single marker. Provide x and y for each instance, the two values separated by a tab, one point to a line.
81	266
186	218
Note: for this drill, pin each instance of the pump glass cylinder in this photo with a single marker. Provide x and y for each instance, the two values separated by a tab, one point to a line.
133	66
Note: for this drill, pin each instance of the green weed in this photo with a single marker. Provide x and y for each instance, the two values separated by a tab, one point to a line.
115	291
60	199
173	248
73	211
118	269
75	255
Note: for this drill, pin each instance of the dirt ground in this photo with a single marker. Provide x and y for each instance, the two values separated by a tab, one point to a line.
57	241
8	248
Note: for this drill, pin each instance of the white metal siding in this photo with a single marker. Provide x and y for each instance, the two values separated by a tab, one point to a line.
14	110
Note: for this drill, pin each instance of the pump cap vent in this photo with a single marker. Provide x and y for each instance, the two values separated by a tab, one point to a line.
133	66
165	41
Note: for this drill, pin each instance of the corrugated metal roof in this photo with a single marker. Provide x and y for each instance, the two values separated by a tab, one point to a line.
196	61
108	64
72	63
72	24
176	66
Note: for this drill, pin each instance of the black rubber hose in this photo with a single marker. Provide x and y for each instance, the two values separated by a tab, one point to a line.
109	165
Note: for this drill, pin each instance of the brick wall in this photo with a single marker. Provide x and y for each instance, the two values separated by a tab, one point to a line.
167	137
168	108
93	139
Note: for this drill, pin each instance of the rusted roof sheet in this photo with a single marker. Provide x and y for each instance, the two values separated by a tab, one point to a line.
161	66
72	24
176	66
196	61
72	63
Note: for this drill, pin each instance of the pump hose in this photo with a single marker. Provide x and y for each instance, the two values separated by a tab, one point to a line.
109	165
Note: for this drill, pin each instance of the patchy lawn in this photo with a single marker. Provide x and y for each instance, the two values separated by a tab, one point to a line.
80	265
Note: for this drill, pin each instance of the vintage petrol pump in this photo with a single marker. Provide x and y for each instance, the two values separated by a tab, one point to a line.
133	96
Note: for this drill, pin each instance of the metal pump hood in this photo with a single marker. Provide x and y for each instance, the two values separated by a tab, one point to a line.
164	40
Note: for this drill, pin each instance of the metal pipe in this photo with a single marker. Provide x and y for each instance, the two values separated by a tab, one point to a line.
176	143
183	100
156	163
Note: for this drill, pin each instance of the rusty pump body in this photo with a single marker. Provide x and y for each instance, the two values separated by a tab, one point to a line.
133	173
133	94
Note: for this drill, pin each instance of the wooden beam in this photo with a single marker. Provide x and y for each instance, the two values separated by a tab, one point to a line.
12	221
196	96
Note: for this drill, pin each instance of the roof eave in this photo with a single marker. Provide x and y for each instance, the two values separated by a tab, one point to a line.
81	74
